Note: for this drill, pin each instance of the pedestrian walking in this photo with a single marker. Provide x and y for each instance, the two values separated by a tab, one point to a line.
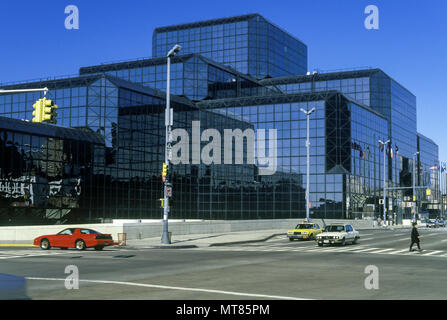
415	238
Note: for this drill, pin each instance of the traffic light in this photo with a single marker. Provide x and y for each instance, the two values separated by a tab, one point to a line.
44	111
49	114
37	113
162	202
164	171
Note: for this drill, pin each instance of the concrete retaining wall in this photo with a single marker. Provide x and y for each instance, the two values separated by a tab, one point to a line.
141	231
153	228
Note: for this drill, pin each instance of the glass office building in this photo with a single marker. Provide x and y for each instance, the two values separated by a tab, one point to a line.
427	173
377	90
345	163
250	44
192	76
114	114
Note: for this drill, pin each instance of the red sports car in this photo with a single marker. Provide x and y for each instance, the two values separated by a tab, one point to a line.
78	238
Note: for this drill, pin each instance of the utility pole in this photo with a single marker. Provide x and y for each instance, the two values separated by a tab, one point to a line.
169	121
308	113
384	177
414	184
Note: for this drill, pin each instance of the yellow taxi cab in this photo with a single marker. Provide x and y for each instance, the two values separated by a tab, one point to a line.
305	230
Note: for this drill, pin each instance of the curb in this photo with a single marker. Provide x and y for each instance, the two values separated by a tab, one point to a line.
246	241
14	245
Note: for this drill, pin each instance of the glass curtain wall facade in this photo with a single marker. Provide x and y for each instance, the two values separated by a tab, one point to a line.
380	92
46	172
124	173
340	185
250	44
192	76
427	173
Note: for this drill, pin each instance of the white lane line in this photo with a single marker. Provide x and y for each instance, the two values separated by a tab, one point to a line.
10	257
176	288
430	235
347	249
368	234
365	250
363	239
432	253
443	240
398	251
383	250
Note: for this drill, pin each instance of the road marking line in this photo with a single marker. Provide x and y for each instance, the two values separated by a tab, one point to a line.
175	288
432	253
365	250
345	249
398	251
10	257
383	250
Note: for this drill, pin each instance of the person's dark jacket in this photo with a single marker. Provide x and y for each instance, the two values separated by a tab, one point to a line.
415	235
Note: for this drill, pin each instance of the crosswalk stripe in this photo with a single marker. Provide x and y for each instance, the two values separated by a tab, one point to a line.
398	251
381	251
431	253
368	249
313	249
346	249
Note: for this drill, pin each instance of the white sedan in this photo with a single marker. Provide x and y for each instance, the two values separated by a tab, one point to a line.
338	234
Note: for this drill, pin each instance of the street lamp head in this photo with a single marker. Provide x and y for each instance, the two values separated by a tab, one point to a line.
307	112
174	50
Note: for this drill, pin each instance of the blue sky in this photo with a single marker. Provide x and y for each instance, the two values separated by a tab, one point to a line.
411	44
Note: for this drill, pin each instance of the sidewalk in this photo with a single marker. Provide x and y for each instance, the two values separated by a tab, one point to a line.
207	240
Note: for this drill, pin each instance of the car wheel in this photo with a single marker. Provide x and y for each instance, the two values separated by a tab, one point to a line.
80	245
320	244
290	239
343	242
99	248
355	240
311	237
45	244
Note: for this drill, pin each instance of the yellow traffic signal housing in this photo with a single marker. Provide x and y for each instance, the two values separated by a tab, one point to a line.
164	171
48	114
44	111
37	113
162	202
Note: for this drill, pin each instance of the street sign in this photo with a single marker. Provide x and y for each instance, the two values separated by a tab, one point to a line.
169	191
428	192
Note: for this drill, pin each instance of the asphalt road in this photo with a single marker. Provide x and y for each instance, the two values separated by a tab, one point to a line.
276	269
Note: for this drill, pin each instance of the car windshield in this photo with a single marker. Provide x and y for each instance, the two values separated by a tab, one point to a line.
334	228
304	226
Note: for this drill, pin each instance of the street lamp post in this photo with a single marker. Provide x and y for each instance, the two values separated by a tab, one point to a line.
414	184
168	123
384	178
308	113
